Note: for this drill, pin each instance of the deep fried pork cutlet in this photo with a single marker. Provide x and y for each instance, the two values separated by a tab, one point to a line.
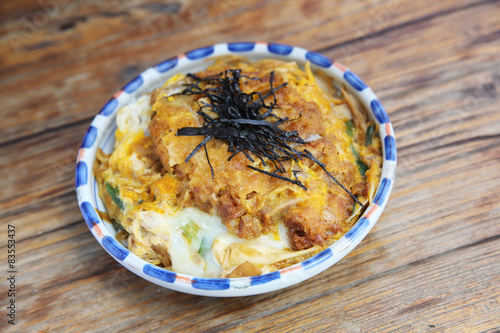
252	203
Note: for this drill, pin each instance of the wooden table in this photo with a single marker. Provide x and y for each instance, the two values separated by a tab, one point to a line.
432	262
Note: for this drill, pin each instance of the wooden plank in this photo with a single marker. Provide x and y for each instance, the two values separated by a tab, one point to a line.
463	298
385	249
72	58
94	64
44	215
40	168
447	281
41	179
34	28
431	260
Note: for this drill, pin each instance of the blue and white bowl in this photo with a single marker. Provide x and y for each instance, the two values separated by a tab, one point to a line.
101	135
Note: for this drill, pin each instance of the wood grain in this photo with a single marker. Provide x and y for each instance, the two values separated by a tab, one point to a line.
95	65
431	263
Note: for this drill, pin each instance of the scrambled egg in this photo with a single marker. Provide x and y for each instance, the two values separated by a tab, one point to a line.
240	223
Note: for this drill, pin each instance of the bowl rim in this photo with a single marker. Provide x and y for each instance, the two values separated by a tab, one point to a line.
224	287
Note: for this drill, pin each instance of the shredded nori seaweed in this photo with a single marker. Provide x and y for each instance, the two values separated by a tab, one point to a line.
369	134
242	123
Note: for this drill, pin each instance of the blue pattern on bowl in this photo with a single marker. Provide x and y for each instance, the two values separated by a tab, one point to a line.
383	191
200	53
265	278
90	137
379	111
81	174
100	132
210	284
240	47
115	248
159	273
167	65
355	81
317	259
357	228
133	85
390	148
109	108
89	214
319	59
280	49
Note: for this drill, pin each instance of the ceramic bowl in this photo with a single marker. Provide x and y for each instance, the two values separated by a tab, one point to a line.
101	135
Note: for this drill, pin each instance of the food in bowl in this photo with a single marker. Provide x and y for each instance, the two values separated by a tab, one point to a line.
240	169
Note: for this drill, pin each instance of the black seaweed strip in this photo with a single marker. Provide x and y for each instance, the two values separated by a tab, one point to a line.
314	159
296	182
208	160
208	138
244	127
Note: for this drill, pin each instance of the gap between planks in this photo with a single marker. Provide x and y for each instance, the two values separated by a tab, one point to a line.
405	24
355	284
325	49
